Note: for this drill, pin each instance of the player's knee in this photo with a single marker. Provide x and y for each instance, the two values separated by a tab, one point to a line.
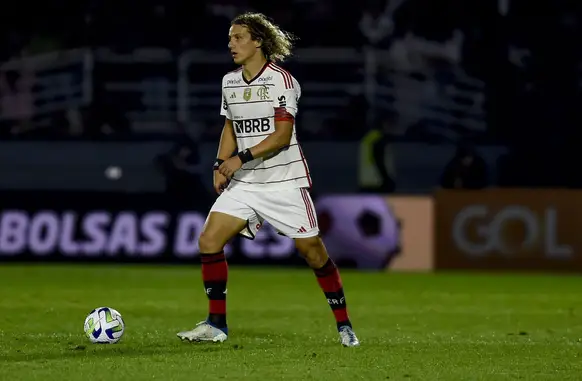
312	250
210	242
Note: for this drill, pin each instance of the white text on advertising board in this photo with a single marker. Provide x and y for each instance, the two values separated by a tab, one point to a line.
540	232
101	233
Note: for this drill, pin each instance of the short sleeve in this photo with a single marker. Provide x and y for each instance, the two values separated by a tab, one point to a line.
286	94
224	109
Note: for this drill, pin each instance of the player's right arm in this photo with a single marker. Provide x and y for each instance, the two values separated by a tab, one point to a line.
226	147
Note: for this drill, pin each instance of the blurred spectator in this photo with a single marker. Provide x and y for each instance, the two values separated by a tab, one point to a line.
466	170
69	124
181	170
377	170
16	101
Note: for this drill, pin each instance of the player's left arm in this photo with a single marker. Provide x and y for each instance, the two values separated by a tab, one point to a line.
285	105
278	139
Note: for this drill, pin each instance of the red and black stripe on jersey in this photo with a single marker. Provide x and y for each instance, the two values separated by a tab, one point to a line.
282	115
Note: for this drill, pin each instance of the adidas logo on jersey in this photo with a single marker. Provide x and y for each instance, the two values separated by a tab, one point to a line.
302	230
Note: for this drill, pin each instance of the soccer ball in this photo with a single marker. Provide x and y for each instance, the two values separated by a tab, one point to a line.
104	325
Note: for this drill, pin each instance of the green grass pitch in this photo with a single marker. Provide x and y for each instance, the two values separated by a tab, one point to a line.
412	326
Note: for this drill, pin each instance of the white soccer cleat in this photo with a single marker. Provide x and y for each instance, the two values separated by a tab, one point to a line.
204	332
348	337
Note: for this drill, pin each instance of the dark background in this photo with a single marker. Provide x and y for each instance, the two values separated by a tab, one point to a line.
124	96
438	71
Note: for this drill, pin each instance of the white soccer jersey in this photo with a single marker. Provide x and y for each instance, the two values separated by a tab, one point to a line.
251	105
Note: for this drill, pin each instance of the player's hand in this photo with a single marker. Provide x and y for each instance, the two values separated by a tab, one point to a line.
220	182
230	166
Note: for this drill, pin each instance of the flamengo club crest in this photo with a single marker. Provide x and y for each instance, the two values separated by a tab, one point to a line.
247	94
263	93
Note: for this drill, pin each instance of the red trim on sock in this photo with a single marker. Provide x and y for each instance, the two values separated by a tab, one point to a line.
217	307
332	281
341	315
215	271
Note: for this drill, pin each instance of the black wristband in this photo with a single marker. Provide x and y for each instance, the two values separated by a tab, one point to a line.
246	156
217	164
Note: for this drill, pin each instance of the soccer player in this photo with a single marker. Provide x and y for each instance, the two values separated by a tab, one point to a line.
268	180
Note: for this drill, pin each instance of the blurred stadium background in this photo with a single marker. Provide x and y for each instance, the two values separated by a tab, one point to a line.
441	134
111	108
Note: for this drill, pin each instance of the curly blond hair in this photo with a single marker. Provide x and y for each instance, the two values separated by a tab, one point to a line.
276	44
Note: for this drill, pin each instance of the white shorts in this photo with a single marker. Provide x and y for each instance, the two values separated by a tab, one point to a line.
290	211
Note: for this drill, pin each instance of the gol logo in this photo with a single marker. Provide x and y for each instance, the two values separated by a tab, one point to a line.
514	230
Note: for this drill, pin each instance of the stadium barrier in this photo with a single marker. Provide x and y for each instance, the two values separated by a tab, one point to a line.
509	229
416	222
362	231
158	87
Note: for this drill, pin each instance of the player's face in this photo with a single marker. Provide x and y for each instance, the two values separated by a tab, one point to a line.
241	45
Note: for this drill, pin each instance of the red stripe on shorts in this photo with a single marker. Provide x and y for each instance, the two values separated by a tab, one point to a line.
309	208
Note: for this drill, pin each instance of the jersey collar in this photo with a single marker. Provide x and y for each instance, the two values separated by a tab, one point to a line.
256	76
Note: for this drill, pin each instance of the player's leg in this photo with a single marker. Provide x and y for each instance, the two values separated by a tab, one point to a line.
292	213
225	220
315	254
218	230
